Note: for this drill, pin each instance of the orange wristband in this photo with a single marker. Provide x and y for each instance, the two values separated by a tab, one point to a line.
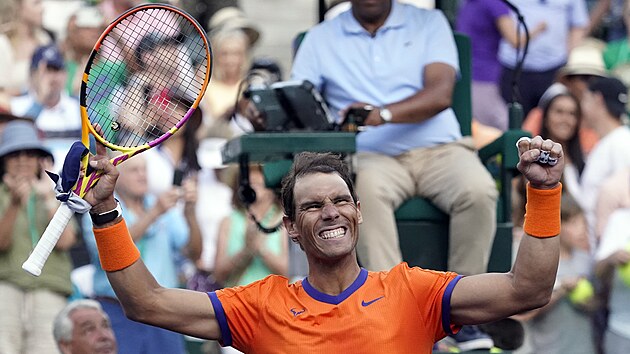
542	212
116	249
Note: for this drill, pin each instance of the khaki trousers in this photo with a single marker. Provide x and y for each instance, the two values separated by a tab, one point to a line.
26	319
452	177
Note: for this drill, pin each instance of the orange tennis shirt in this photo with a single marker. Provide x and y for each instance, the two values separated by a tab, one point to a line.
404	310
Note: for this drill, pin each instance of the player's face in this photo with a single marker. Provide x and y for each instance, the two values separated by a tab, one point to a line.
91	333
326	218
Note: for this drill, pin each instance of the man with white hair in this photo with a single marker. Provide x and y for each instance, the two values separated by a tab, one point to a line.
82	327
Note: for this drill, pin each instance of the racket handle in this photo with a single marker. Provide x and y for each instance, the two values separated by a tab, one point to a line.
47	242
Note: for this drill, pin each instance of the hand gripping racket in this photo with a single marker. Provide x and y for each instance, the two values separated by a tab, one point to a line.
143	80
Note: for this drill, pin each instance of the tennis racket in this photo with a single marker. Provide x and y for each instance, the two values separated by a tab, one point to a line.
144	79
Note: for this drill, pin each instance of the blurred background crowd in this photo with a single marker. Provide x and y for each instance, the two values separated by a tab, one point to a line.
198	234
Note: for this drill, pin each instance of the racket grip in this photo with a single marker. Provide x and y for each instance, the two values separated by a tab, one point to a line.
47	242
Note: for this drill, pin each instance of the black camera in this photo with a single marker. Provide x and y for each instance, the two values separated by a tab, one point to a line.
356	116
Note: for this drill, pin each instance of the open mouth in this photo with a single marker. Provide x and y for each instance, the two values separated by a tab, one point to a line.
332	234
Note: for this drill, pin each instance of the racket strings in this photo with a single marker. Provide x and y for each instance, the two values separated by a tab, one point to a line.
156	86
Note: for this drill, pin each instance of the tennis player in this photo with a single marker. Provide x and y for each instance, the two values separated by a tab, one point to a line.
340	307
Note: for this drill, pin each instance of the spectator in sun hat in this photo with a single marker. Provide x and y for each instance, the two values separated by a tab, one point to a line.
584	62
20	135
54	112
27	204
603	107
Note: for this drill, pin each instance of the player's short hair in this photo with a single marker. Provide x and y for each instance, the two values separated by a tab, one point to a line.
63	326
306	163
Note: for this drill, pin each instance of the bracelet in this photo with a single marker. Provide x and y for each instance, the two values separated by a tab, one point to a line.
542	212
108	216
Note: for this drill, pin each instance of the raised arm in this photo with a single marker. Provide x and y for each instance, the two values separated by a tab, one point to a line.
143	299
489	297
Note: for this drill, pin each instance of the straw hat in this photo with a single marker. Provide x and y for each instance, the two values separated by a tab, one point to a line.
234	18
20	135
585	59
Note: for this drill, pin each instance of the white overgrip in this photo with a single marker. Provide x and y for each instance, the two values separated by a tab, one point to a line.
47	242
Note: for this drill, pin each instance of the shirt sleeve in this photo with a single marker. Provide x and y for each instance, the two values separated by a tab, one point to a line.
238	311
441	46
306	63
432	291
498	9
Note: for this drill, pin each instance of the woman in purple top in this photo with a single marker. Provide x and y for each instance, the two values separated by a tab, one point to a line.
486	22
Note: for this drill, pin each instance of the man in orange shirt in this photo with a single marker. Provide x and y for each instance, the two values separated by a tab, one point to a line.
339	306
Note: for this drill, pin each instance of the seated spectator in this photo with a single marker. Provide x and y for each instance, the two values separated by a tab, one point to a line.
245	253
27	204
55	113
82	327
563	325
161	233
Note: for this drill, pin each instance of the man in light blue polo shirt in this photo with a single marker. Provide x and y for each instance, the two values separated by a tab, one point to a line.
404	61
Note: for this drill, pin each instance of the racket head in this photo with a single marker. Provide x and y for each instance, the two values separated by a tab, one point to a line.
145	77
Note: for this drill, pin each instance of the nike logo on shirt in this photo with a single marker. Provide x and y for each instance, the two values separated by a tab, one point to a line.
368	303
